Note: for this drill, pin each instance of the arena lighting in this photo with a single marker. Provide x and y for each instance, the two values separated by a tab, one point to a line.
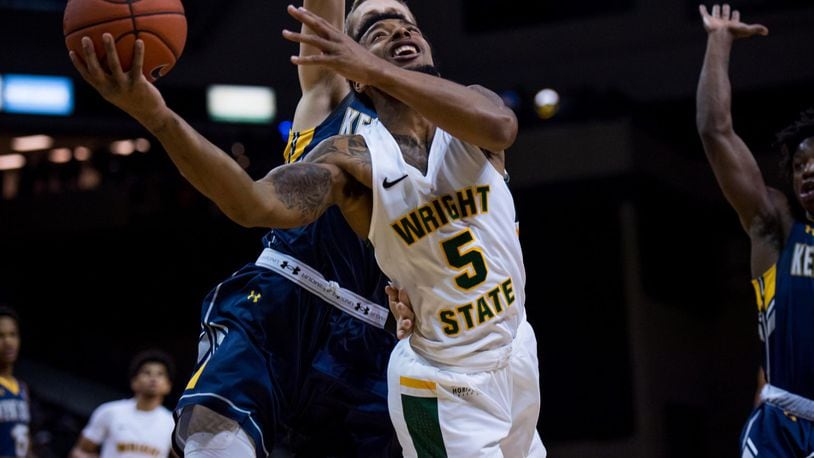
60	155
546	103
123	147
142	145
31	143
37	95
82	153
241	104
11	161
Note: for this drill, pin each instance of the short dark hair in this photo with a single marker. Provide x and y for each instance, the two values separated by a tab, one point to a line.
788	140
7	311
152	356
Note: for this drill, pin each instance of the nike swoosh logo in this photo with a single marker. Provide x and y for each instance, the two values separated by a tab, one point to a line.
388	184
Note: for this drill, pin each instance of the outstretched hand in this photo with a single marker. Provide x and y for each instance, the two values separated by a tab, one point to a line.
402	309
339	52
723	18
128	90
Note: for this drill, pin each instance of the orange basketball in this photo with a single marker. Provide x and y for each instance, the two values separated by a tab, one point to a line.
161	24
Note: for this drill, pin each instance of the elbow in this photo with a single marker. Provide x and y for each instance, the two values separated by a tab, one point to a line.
504	133
711	127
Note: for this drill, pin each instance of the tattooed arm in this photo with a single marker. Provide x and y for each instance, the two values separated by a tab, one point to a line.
337	172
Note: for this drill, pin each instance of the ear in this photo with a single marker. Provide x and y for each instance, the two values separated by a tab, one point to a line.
358	88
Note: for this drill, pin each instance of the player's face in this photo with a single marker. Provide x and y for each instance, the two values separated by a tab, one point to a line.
151	380
9	340
398	41
803	167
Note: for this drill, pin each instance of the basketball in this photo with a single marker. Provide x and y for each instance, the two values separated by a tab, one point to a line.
160	24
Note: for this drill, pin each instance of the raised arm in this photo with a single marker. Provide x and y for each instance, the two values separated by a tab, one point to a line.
734	165
289	196
322	88
464	112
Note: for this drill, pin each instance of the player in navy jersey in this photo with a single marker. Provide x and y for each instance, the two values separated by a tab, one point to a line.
15	412
782	253
292	345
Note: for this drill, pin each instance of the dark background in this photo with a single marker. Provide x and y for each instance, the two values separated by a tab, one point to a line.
638	275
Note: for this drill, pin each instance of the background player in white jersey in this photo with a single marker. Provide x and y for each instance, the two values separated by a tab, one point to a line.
135	427
15	409
782	254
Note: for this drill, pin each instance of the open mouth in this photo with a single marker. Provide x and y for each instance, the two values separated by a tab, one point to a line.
405	52
807	190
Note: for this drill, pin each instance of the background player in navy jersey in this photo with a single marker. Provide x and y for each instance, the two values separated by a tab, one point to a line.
275	359
782	253
15	411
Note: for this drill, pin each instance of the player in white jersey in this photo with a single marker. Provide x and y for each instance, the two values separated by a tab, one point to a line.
482	411
137	427
442	221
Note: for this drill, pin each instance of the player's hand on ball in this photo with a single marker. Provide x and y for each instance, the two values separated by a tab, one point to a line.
402	309
128	90
723	18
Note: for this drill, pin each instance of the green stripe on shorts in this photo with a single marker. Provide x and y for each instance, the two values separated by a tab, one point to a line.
421	416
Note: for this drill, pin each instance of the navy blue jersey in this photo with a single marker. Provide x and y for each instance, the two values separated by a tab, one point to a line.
14	418
287	366
785	299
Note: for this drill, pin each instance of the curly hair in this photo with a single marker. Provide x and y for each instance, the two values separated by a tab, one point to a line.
152	356
788	140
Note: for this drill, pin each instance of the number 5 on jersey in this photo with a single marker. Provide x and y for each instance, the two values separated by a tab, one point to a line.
470	260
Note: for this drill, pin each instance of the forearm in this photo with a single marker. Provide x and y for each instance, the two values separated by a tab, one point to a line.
210	170
714	95
463	112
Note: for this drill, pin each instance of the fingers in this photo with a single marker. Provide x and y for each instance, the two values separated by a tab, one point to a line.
112	55
319	25
79	65
309	39
317	59
405	299
716	11
138	59
725	11
736	16
703	10
758	29
94	69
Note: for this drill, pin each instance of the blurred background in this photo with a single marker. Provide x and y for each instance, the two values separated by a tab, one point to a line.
638	269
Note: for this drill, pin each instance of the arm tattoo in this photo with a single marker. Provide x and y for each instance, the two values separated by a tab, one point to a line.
415	153
302	187
348	152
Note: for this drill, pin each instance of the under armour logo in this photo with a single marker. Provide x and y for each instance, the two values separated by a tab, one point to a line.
295	270
365	310
254	297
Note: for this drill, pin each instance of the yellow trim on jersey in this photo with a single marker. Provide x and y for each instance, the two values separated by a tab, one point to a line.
297	142
11	384
194	380
416	383
765	286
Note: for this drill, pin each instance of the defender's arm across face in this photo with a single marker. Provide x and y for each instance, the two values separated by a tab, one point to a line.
467	114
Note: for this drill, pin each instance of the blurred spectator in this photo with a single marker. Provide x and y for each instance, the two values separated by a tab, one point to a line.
139	426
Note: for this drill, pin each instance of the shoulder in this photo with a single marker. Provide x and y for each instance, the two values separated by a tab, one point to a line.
338	146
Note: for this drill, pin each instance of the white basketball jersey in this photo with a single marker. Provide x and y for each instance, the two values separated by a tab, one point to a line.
449	238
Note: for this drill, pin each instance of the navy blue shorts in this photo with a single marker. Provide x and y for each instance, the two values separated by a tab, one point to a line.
292	369
772	433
